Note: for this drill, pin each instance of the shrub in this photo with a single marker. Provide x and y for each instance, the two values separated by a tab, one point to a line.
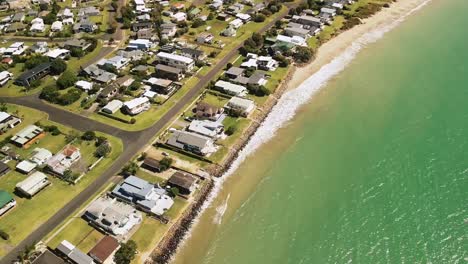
58	66
166	163
103	150
259	18
89	135
67	79
231	130
53	130
126	253
4	235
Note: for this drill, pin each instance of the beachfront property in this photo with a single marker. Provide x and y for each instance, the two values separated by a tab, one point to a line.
33	74
64	160
72	254
27	136
32	184
8	121
204	110
191	142
7	202
112	216
254	61
136	105
104	250
174	60
237	75
208	128
240	105
144	195
184	182
230	88
112	107
295	40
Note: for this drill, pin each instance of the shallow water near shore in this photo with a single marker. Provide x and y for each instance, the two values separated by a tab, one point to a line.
373	170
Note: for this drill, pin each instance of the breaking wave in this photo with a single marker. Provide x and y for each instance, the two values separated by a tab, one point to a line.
292	100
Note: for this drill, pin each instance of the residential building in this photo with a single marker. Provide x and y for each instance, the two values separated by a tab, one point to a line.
72	254
4	168
25	166
15	27
112	107
236	23
104	249
58	54
18	17
99	75
64	160
234	72
192	142
118	62
48	258
244	17
179	17
40	156
40	47
243	106
85	25
297	32
109	92
174	60
139	44
141	25
37	25
137	105
84	85
168	30
132	55
89	11
309	21
206	111
230	88
8	121
35	73
151	164
267	63
229	32
294	40
162	86
7	202
146	196
168	72
206	128
145	33
195	54
27	136
186	183
5	76
124	81
33	184
80	44
16	48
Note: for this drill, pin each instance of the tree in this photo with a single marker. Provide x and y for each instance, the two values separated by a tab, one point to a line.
174	191
70	97
77	52
130	169
53	130
34	61
89	135
231	130
50	93
103	150
58	66
198	23
259	18
4	235
67	79
3	107
25	255
126	252
303	54
166	163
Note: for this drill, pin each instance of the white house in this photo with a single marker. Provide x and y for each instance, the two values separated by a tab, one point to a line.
244	17
236	23
37	25
5	76
117	61
179	17
112	107
206	128
57	26
58	53
16	48
192	142
231	88
137	105
84	85
64	160
244	106
140	44
295	40
33	184
40	47
174	60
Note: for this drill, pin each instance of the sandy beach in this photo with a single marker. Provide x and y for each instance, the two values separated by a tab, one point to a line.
330	50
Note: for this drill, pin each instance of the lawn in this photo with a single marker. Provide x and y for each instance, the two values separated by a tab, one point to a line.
214	100
28	116
31	213
149	177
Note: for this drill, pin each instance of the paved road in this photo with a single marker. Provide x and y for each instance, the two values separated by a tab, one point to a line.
134	142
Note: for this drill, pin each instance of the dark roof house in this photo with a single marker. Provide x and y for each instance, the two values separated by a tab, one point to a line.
104	249
35	73
183	181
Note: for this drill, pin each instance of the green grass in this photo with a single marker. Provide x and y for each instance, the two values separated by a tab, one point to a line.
31	213
79	233
149	177
214	100
28	116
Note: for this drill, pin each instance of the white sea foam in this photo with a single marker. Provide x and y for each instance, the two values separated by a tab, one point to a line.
292	100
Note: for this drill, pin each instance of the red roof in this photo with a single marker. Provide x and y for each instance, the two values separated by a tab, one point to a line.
69	150
103	249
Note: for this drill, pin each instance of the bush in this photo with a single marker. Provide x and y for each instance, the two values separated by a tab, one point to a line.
77	52
130	169
53	130
259	18
67	79
58	66
89	135
103	150
4	235
303	54
34	61
70	97
166	163
231	130
126	253
198	23
132	120
174	191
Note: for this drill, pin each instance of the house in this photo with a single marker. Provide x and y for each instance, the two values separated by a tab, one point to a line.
40	156
35	73
328	11
72	254
7	202
84	85
206	128
179	17
33	184
300	32
112	107
184	182
27	136
98	75
141	69
18	17
163	86
146	196
267	63
85	25
144	33
168	30
308	21
80	44
257	78
57	26
294	40
104	249
236	23
48	258
151	164
118	62
139	44
7	61
68	21
192	142
15	27
8	121
25	166
205	37
109	92
132	55
229	32
235	9
241	105
17	48
234	72
244	17
5	76
89	11
230	88
4	168
64	160
40	47
195	54
174	60
141	25
216	5
37	25
222	17
124	81
137	106
58	54
144	17
168	72
206	111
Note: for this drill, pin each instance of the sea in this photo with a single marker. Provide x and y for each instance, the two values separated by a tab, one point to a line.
365	162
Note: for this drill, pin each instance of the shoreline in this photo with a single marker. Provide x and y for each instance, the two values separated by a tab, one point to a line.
167	249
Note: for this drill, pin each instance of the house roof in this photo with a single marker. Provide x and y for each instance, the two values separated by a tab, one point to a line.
150	162
39	68
165	68
104	248
188	138
175	57
183	180
136	102
192	52
27	134
48	258
235	71
132	186
5	198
